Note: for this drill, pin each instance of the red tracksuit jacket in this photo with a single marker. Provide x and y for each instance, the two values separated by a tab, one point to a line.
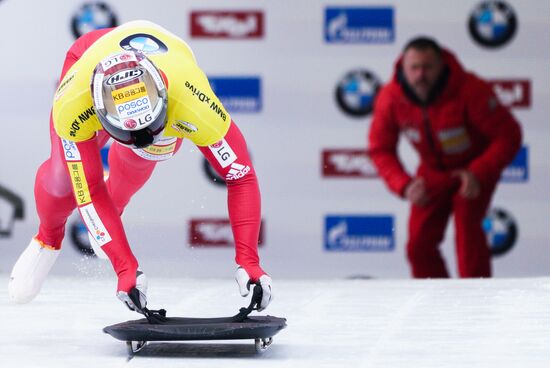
463	127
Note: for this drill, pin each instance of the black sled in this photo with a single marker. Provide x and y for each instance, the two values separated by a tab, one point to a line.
157	327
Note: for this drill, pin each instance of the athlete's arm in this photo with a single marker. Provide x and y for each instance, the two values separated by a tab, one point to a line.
229	157
231	161
98	211
93	201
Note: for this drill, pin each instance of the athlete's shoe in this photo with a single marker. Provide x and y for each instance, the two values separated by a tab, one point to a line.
30	271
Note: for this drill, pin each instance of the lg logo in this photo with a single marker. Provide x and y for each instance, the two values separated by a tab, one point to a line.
223	152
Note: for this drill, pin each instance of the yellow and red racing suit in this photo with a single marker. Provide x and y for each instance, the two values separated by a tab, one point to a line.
73	176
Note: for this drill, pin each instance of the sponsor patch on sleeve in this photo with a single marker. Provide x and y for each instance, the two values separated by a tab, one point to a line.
94	224
64	85
71	151
223	153
80	185
237	171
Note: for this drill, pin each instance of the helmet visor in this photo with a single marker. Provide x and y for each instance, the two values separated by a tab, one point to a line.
130	101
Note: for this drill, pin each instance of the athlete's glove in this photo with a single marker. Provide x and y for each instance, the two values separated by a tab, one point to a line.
136	297
244	281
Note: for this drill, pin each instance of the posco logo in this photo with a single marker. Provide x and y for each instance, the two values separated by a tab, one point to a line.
71	151
133	104
124	76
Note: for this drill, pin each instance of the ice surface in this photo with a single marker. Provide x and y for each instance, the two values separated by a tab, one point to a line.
340	323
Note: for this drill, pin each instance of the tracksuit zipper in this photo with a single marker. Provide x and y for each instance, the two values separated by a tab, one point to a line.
430	139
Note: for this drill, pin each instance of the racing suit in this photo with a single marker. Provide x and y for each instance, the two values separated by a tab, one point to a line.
73	175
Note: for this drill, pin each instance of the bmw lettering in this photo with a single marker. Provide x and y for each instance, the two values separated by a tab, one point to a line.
82	118
356	91
493	23
206	99
134	107
359	25
124	76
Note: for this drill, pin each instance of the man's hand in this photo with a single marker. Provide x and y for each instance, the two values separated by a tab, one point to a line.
243	280
469	185
416	193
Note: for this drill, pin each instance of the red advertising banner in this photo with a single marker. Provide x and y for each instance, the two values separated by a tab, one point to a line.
227	24
346	162
214	232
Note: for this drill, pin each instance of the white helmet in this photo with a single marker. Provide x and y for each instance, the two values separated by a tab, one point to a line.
130	98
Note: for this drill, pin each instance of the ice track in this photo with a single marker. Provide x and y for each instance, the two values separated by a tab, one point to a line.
336	323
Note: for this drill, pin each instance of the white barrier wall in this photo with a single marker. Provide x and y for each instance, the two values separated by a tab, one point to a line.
276	66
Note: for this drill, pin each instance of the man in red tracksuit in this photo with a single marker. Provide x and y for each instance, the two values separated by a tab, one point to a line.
464	138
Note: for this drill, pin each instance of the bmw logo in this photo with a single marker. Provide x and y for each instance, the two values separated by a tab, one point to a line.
79	237
355	93
92	16
145	43
493	23
501	230
211	174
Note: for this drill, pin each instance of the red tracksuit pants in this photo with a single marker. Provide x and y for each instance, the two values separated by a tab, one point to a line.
427	226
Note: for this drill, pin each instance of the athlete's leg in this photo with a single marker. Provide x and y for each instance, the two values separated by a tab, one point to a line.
53	193
54	203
